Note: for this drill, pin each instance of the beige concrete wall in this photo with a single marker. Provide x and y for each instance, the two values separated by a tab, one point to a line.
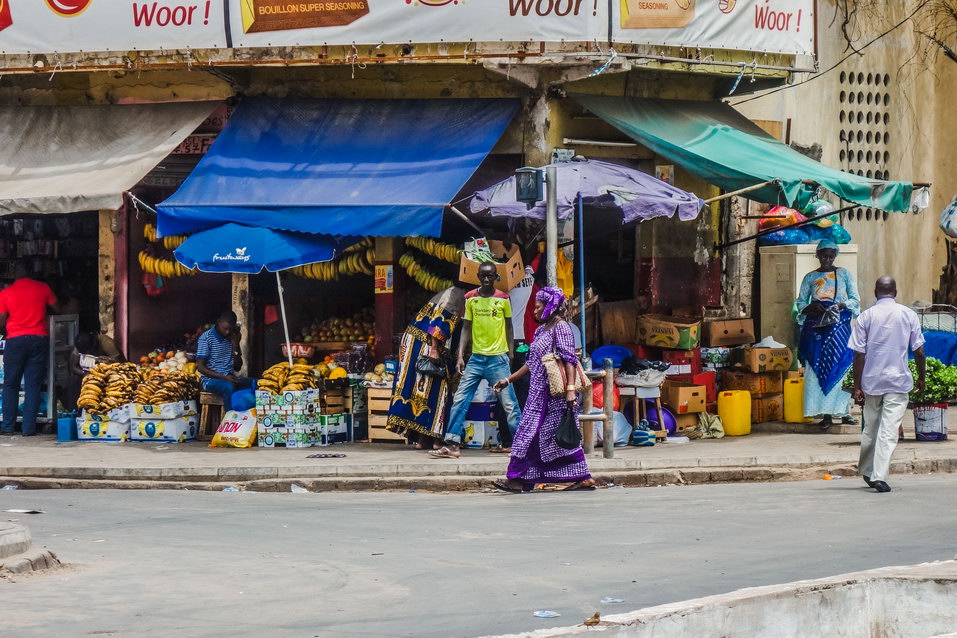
922	135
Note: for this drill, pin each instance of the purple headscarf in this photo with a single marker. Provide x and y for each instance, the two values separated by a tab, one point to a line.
553	298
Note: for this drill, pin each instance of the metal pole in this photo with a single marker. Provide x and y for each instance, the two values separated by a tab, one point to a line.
285	323
581	272
551	225
608	427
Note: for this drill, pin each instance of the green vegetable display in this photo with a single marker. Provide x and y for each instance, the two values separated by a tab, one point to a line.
941	383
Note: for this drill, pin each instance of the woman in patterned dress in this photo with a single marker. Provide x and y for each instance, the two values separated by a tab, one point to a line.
419	408
823	345
536	458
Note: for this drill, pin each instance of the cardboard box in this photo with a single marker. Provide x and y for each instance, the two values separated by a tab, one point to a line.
102	430
762	359
686	422
753	382
684	398
175	410
480	434
289	409
117	415
332	429
669	332
728	332
769	407
166	430
707	378
510	273
283	437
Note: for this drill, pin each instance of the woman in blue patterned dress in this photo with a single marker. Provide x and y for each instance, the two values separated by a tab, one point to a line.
536	458
419	408
824	335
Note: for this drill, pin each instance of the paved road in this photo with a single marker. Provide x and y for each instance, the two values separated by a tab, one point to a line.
159	563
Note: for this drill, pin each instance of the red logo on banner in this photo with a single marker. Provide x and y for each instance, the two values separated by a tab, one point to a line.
5	18
434	3
68	8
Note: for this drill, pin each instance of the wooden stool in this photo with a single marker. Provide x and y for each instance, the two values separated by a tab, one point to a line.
209	418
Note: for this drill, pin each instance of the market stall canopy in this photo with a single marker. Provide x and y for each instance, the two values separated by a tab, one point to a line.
636	195
343	167
64	159
243	249
724	148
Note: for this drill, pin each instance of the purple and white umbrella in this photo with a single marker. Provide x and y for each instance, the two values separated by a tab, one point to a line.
637	195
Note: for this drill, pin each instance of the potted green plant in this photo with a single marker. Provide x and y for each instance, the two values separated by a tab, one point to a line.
930	406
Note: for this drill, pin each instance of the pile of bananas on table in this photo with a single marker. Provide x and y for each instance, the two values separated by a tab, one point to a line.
283	378
107	386
167	387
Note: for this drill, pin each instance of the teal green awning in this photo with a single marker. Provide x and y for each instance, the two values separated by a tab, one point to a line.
724	148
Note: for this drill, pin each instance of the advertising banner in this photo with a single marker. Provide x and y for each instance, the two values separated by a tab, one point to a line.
772	26
61	26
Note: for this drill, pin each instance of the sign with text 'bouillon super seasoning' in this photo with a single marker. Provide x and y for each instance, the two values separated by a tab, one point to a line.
282	15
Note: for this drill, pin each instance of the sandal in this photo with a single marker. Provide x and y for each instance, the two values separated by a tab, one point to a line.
505	486
500	450
444	453
580	485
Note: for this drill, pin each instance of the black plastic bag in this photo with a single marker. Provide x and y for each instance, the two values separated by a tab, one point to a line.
431	367
568	436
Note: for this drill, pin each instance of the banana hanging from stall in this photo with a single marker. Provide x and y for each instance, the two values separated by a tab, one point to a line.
162	267
358	259
170	242
445	252
421	276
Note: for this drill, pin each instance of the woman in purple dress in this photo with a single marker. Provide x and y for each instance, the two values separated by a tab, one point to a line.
536	458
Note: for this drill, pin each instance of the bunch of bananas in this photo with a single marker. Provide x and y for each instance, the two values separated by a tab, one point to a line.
170	242
282	378
445	252
162	267
421	276
355	260
167	387
364	244
107	386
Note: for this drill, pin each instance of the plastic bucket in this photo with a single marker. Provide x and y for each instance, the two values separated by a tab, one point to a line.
930	422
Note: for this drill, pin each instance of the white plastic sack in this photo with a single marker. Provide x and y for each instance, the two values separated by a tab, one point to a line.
948	219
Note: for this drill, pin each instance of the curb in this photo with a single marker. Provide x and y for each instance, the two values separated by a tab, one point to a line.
637	478
14	539
31	561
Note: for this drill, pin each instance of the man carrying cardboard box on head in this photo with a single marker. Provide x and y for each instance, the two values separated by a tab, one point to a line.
488	328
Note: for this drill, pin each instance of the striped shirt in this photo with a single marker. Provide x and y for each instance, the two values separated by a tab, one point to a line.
217	350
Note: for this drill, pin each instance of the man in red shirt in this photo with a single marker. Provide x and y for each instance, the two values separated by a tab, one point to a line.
23	319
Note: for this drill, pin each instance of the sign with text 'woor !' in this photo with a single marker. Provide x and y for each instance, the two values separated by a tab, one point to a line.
71	26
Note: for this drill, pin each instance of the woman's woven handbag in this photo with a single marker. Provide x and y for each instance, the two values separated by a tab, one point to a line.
555	371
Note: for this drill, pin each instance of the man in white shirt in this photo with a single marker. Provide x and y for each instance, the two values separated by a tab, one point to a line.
882	381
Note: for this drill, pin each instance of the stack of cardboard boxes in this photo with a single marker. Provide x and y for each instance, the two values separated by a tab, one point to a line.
760	371
295	420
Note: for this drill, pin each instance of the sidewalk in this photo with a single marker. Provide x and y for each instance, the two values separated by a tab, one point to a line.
43	462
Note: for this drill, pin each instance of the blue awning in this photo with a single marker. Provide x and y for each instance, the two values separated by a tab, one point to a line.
340	167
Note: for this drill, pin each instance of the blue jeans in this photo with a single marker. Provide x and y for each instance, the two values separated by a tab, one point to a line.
24	358
492	369
225	389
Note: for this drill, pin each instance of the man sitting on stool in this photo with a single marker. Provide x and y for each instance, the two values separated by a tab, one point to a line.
218	357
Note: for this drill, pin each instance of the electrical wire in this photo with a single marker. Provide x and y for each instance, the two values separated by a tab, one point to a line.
842	60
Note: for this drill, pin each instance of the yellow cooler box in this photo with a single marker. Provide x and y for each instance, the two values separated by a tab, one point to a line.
734	408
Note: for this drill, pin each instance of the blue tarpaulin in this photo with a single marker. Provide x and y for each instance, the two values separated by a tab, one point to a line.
339	167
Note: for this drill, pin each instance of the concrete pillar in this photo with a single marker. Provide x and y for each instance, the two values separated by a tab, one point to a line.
106	267
389	306
535	139
241	304
739	260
